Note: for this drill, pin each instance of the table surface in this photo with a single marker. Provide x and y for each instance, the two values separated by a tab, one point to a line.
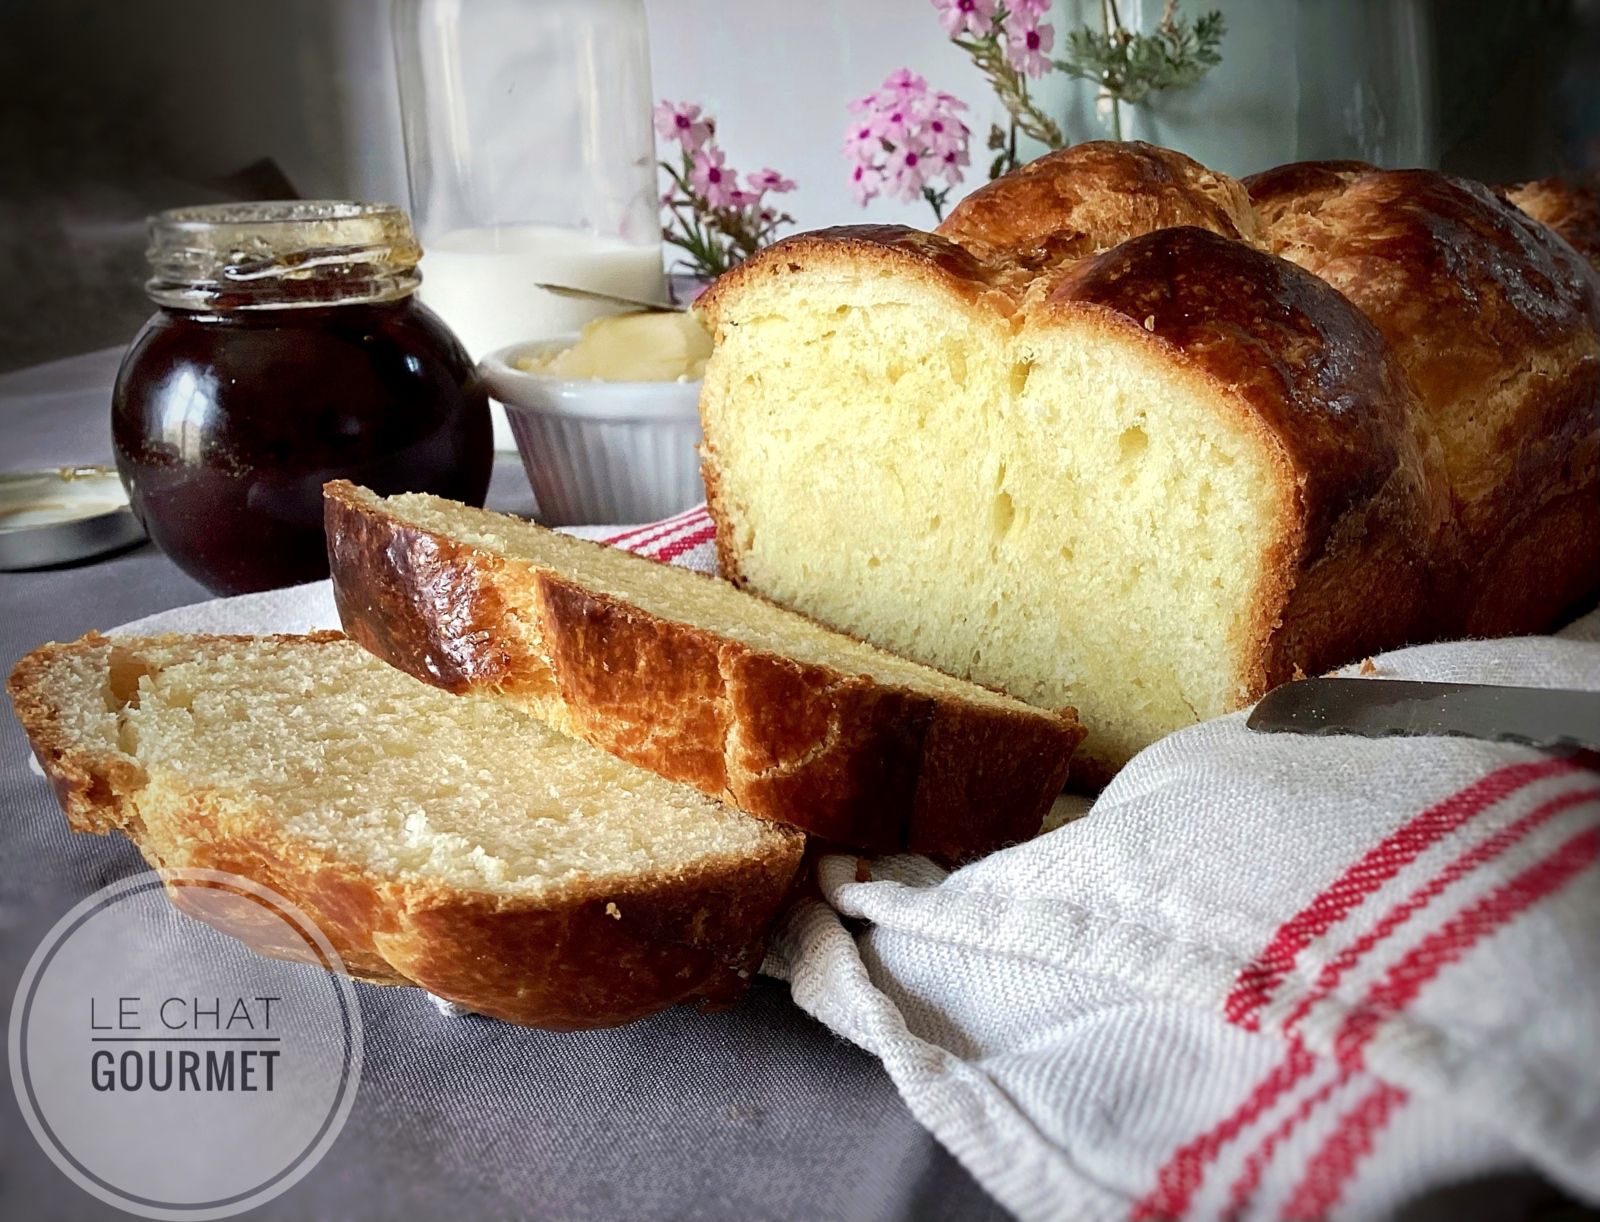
757	1112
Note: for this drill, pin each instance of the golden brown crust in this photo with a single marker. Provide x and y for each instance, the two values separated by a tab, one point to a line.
1570	207
1496	322
867	766
1300	186
1453	277
606	955
728	566
599	953
1085	199
925	256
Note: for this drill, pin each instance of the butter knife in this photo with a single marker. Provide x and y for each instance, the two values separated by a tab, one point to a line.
616	299
1378	708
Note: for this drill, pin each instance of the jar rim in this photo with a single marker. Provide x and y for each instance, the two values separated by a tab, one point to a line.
274	212
276	254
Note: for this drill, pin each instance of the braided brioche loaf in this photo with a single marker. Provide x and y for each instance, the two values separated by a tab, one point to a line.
1128	434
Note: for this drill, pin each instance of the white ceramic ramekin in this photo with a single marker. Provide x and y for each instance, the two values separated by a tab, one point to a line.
599	452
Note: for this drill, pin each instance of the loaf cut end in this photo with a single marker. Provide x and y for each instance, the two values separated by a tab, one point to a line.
1060	509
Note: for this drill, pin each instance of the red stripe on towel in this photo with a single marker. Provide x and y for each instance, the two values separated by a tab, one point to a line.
631	532
641	545
1184	1172
688	543
1257	980
1338	1157
1445	945
1256	1165
1486	850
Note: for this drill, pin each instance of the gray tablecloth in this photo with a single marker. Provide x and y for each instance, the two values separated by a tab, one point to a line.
758	1112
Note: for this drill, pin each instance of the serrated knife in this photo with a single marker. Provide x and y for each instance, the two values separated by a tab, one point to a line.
1379	708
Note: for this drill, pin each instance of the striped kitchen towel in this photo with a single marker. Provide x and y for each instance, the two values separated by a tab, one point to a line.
685	539
1264	977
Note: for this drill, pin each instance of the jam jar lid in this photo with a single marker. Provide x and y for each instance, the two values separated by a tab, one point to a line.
281	254
61	515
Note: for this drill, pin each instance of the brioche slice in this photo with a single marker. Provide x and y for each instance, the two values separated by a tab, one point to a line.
693	679
456	844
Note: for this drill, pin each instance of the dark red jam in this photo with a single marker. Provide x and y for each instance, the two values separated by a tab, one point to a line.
228	423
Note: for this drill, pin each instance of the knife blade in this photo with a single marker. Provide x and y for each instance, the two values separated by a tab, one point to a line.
1379	708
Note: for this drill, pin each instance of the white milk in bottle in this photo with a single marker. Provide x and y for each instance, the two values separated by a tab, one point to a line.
530	156
482	283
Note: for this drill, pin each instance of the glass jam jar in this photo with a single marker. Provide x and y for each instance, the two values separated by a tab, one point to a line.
288	350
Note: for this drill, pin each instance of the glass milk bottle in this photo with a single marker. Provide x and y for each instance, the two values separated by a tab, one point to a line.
531	160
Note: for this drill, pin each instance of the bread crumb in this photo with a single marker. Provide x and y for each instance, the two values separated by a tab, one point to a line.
613	911
1298	675
1367	667
1149	322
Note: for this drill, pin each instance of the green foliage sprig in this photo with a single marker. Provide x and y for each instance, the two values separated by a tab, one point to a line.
1130	66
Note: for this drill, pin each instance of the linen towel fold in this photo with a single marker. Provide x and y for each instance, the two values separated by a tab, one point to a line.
1264	977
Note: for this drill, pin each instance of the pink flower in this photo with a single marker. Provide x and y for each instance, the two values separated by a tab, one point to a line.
892	121
944	133
958	17
1028	44
682	122
768	180
905	136
950	163
907	173
860	144
942	129
1028	9
866	182
905	81
710	180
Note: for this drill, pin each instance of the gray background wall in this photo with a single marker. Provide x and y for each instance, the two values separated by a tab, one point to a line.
111	109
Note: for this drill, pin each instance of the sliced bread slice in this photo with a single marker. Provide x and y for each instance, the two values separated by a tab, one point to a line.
457	844
694	679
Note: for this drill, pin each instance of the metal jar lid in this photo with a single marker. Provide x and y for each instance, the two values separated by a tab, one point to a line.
63	514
